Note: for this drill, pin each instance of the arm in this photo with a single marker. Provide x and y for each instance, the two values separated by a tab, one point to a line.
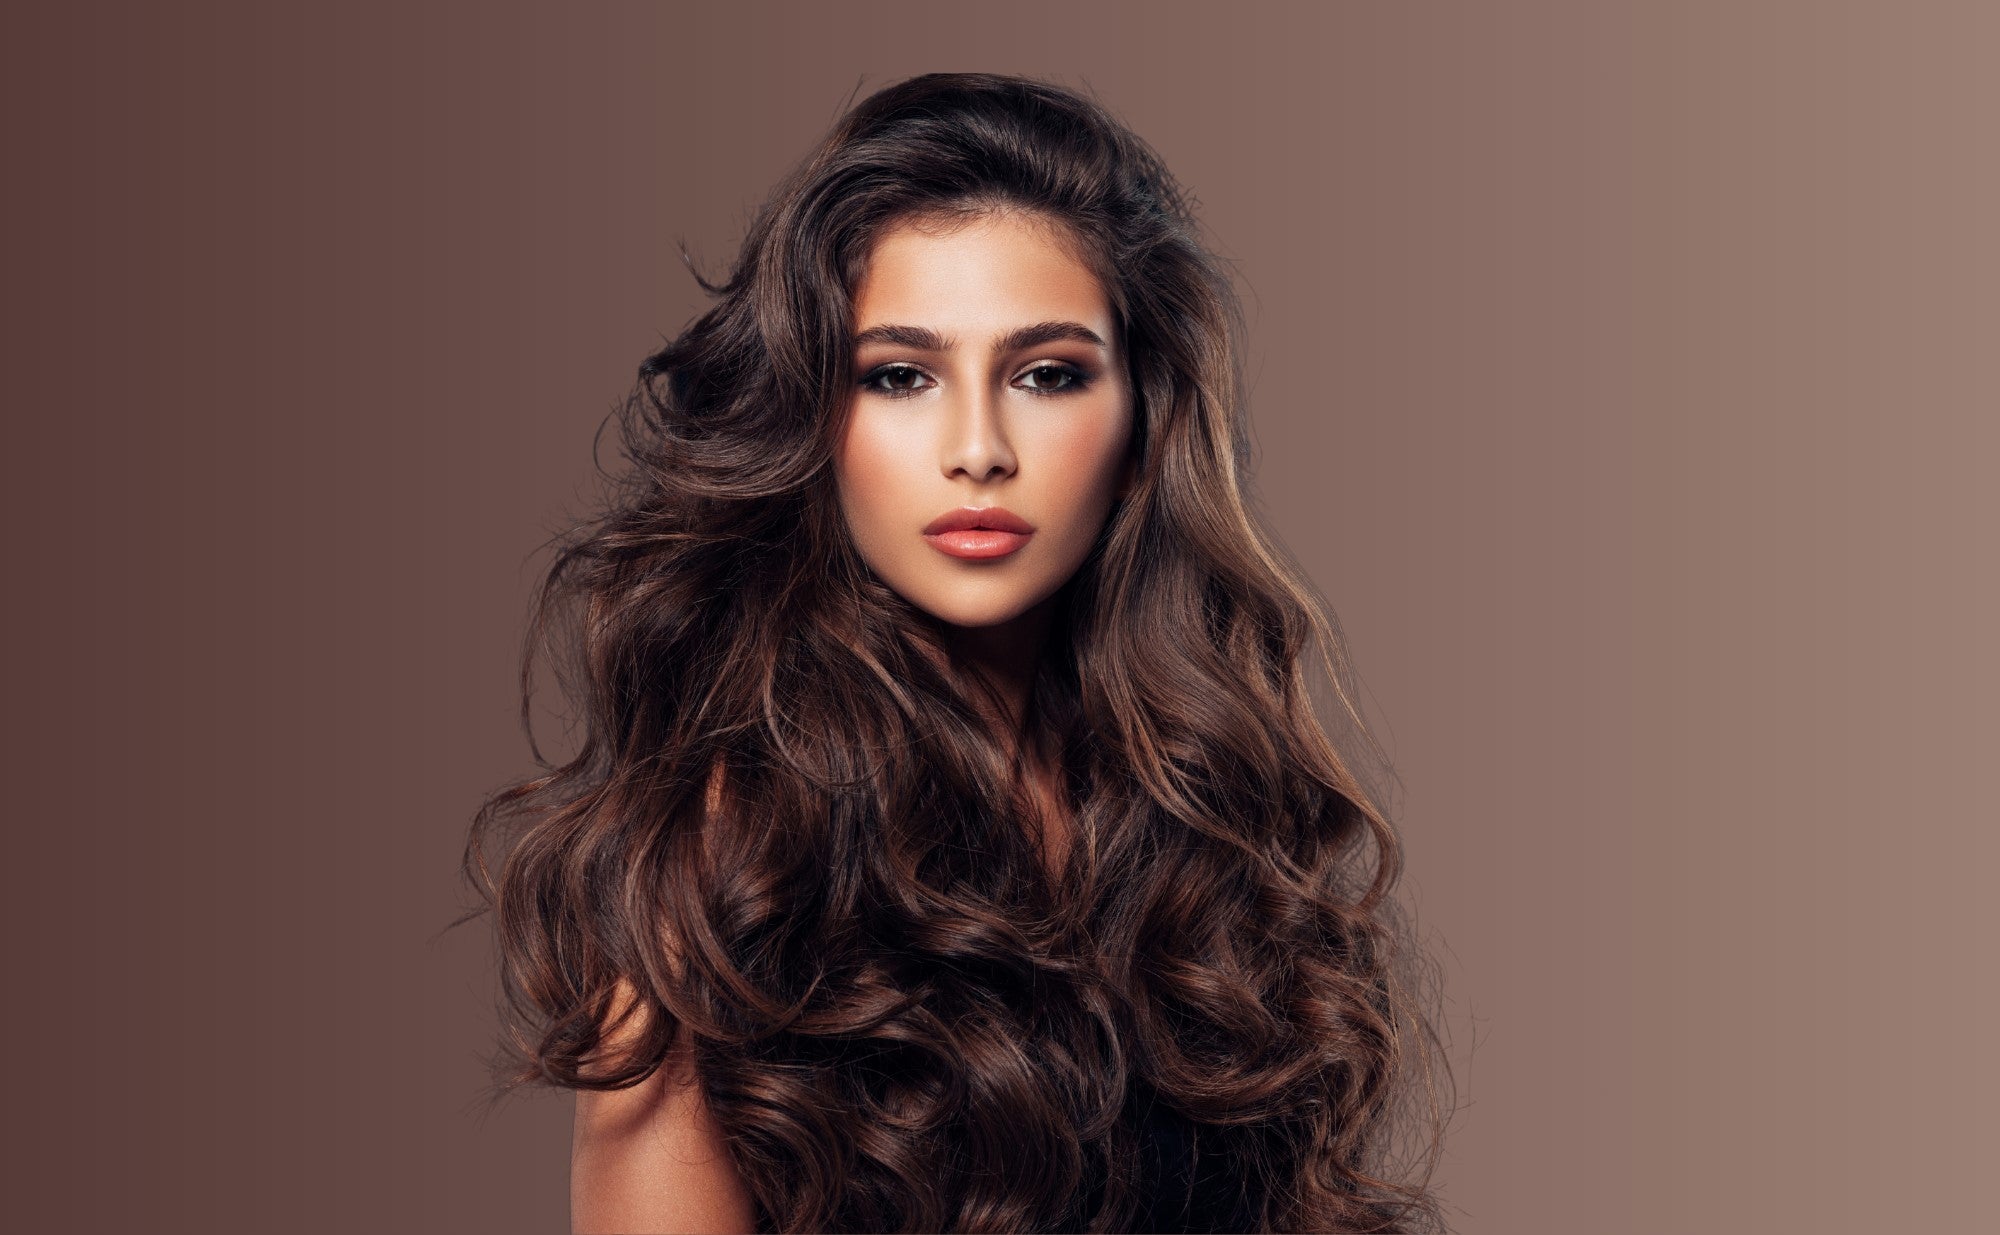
650	1158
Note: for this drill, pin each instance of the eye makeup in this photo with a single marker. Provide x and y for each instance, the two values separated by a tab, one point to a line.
1070	379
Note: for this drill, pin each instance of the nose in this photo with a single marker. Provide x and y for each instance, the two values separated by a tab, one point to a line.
975	441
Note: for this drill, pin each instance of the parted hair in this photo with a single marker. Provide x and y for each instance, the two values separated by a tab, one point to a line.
787	841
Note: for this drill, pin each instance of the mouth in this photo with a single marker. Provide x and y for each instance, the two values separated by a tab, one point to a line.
978	534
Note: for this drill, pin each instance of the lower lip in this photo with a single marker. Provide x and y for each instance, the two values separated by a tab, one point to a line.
978	544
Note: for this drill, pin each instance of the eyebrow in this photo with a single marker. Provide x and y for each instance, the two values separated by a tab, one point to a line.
924	339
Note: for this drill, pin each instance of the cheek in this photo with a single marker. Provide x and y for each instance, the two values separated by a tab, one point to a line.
1084	455
867	468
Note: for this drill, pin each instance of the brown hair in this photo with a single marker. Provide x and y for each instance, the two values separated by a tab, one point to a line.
787	832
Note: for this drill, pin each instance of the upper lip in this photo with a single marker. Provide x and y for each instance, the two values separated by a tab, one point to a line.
994	518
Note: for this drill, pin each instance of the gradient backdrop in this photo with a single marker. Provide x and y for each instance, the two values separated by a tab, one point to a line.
1625	375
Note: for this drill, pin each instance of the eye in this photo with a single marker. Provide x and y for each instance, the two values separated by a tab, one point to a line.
1051	379
889	380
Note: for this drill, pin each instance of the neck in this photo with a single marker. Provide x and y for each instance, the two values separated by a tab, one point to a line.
1003	657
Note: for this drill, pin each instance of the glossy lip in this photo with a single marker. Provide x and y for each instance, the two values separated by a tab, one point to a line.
978	534
995	518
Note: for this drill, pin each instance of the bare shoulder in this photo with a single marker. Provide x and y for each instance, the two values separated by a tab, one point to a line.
651	1157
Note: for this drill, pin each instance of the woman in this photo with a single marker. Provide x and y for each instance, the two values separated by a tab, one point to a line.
952	843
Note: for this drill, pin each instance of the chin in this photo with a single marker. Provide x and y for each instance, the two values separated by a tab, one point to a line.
974	611
975	616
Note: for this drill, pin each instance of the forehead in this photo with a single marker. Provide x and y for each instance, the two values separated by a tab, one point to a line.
993	272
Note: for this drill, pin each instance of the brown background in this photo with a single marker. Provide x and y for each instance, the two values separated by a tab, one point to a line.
1624	375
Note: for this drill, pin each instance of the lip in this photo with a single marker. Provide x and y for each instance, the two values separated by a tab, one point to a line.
977	534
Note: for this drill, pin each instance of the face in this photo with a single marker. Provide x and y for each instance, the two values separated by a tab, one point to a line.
990	392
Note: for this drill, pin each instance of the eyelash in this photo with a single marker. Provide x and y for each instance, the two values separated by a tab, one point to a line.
1078	379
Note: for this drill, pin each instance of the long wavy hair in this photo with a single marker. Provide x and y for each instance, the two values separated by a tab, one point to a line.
786	828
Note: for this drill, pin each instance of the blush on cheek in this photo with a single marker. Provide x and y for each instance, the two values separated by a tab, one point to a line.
1087	452
867	465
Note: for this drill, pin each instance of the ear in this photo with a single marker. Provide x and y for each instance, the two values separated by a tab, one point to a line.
1126	477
